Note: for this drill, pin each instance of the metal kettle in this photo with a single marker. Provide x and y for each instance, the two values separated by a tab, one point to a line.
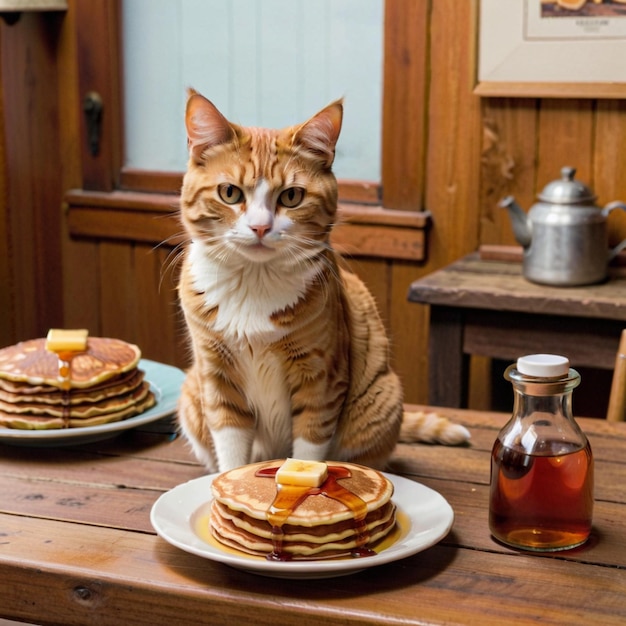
565	234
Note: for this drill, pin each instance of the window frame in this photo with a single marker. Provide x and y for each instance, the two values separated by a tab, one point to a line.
382	218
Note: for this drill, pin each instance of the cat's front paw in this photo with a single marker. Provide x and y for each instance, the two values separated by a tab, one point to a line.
308	451
232	447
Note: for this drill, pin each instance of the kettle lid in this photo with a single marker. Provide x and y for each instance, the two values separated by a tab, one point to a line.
566	190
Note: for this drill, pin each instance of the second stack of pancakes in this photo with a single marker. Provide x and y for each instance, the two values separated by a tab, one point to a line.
106	385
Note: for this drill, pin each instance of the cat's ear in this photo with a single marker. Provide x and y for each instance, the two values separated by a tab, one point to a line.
206	126
319	135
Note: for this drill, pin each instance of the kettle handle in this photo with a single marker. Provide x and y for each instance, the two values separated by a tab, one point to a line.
613	205
618	248
605	211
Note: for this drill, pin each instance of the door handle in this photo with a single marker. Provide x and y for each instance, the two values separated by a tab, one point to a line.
92	107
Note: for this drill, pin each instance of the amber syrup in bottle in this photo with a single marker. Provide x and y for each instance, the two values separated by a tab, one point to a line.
541	495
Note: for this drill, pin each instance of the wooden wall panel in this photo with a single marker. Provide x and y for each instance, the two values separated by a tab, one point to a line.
565	137
7	300
128	291
509	153
452	141
471	152
454	135
81	285
402	169
99	32
118	290
160	327
609	163
32	173
408	333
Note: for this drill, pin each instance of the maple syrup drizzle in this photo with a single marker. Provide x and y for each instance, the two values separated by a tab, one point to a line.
290	497
65	377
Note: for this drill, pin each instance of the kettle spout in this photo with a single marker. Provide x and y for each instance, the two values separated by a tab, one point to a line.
519	221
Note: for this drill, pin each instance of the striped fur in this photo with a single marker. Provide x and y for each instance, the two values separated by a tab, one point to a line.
290	357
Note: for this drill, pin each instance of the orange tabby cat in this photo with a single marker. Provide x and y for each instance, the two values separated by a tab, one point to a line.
290	357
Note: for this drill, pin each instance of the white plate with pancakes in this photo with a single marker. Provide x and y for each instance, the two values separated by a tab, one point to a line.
165	382
180	516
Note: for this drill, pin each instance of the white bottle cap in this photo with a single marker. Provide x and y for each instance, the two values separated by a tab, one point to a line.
543	365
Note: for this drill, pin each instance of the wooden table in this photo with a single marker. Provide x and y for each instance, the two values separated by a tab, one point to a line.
77	547
487	308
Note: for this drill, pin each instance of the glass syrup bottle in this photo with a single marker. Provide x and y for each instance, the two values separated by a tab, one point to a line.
541	495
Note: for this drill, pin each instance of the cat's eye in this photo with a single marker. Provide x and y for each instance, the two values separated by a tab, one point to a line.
291	197
229	193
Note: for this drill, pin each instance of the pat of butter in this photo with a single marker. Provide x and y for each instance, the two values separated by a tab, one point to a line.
302	473
59	340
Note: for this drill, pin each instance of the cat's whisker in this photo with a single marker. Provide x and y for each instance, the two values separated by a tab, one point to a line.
307	246
175	239
174	257
167	241
175	250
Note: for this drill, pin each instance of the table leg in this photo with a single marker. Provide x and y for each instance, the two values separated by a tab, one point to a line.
448	366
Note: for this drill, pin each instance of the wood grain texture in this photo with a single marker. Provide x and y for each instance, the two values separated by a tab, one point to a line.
81	287
32	175
617	400
7	298
454	135
78	547
487	308
408	333
608	175
586	342
98	43
445	149
572	122
498	285
447	377
551	90
508	153
404	104
361	230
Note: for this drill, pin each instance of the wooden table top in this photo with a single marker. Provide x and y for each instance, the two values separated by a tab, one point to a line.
77	547
474	282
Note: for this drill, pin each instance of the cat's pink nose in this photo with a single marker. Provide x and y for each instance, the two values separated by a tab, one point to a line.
260	230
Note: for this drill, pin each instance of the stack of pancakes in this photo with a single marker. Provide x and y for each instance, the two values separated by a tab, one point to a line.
317	527
105	385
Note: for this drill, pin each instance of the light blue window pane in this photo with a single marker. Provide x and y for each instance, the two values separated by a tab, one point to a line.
262	63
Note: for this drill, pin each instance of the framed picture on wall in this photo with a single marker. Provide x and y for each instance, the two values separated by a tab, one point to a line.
551	48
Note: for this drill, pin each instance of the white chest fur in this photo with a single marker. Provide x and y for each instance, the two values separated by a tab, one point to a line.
246	293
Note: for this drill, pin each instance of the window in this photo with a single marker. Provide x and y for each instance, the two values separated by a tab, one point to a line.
267	63
384	217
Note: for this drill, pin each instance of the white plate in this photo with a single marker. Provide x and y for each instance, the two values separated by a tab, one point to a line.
165	381
427	518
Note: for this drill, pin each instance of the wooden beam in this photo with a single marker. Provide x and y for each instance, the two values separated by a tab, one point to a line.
404	104
361	231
